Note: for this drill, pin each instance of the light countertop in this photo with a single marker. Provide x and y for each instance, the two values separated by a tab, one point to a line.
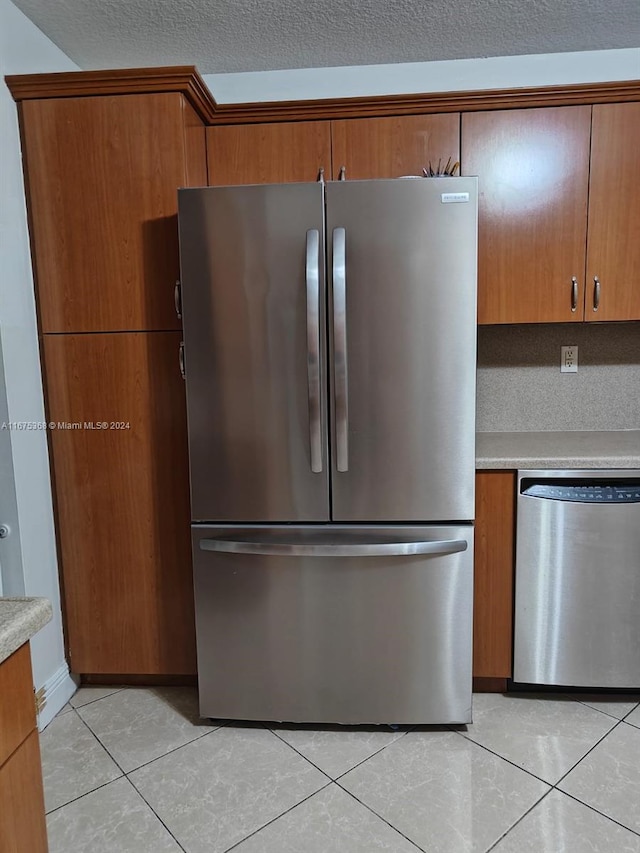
20	619
611	449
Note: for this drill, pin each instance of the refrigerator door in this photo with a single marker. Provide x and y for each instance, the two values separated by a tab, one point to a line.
253	304
402	314
333	624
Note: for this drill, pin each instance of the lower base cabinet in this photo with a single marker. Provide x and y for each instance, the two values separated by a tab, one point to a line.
22	817
494	573
121	484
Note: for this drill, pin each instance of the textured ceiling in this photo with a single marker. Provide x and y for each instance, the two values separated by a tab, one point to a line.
259	35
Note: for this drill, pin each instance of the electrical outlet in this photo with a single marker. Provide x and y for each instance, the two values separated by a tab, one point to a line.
568	359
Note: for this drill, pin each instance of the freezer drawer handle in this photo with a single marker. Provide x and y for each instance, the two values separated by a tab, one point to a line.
300	549
340	348
313	347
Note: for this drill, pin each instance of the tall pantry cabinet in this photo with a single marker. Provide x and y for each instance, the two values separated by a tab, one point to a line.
102	173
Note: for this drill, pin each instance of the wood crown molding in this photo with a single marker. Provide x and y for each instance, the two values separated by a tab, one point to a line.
187	80
184	79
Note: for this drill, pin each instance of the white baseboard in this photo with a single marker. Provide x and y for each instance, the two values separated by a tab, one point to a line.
54	695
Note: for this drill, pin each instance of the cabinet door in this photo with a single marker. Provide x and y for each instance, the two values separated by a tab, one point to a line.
494	568
391	147
22	821
613	246
102	176
276	153
533	170
122	501
17	704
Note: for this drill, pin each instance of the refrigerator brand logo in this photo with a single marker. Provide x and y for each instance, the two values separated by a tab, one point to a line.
451	198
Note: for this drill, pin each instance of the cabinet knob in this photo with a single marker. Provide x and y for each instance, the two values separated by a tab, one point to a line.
596	293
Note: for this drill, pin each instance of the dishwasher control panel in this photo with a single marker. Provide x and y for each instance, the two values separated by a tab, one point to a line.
584	492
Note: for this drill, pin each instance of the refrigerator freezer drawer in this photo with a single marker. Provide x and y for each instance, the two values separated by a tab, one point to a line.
334	624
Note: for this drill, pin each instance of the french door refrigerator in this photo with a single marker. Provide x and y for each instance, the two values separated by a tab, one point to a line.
329	353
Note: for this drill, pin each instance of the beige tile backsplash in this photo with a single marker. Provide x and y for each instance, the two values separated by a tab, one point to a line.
521	389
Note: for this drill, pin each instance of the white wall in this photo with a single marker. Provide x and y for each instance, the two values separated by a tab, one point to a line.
25	50
502	72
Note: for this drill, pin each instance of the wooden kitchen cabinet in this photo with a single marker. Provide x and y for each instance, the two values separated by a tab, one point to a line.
102	174
391	147
122	501
613	242
268	153
533	170
22	814
103	163
494	574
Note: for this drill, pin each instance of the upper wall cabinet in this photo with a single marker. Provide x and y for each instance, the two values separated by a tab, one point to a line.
102	176
268	153
392	147
533	169
613	245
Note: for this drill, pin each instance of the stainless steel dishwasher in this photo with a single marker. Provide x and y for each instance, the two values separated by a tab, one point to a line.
577	607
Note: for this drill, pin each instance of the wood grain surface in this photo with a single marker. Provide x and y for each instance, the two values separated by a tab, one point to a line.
613	245
533	170
102	176
268	153
391	147
17	703
122	501
195	147
186	79
494	574
22	820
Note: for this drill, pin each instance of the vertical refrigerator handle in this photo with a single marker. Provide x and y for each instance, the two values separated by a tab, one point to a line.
340	348
312	275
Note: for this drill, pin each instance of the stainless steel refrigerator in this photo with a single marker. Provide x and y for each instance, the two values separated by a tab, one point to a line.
329	352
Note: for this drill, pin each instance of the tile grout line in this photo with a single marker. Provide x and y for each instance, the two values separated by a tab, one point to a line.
331	781
554	786
86	794
508	760
577	799
588	752
530	772
384	820
223	725
273	820
520	819
103	784
335	779
619	719
124	773
154	812
551	786
597	811
93	701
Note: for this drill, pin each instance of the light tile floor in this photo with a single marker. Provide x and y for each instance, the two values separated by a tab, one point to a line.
133	770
